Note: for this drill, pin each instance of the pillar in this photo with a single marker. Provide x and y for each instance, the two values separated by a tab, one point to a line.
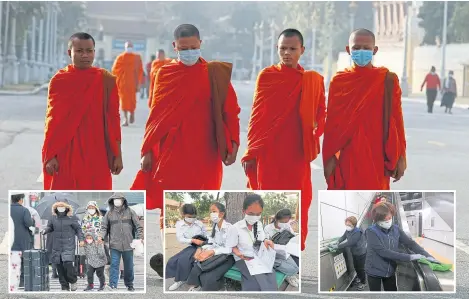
261	46
388	19
376	24
24	61
11	58
33	57
382	23
402	17
40	52
254	57
395	20
47	43
272	42
1	53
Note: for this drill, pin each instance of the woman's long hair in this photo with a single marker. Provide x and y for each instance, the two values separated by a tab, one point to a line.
221	208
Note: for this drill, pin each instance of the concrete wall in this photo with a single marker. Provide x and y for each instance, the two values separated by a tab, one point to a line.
335	207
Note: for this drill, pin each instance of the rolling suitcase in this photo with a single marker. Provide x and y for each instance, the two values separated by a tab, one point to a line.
36	269
80	263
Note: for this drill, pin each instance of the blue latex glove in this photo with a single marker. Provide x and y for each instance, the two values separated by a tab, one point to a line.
415	257
432	260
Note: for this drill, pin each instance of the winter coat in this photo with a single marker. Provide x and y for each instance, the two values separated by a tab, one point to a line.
95	254
63	229
355	240
120	224
92	223
22	220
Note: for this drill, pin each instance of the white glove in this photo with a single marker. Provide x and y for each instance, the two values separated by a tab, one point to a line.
32	229
414	257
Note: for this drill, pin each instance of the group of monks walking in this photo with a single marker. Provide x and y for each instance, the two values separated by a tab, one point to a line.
193	124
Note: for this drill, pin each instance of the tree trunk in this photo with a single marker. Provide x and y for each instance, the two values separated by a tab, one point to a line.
234	206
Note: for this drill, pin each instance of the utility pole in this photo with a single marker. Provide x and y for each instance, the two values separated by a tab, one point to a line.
443	44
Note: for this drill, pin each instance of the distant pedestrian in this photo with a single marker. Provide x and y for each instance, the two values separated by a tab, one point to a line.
450	91
433	85
24	224
96	260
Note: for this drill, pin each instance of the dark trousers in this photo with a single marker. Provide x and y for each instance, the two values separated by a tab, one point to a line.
389	283
359	265
212	280
99	272
431	96
22	272
67	274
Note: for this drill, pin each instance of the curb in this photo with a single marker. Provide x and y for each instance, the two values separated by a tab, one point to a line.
437	103
23	93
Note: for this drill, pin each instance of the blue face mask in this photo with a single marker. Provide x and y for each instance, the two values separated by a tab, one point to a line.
362	57
189	57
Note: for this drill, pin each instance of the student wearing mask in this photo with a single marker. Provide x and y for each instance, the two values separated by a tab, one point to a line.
64	227
245	237
287	266
180	265
383	240
354	238
213	279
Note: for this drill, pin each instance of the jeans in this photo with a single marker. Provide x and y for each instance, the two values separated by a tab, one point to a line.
128	258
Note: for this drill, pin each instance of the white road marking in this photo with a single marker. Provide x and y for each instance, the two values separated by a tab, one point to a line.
4	244
462	246
40	179
436	143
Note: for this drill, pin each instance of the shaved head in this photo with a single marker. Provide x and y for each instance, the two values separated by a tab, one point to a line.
128	44
362	32
80	36
186	30
290	32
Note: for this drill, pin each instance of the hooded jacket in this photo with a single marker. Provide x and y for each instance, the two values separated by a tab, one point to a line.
95	254
63	228
92	223
120	223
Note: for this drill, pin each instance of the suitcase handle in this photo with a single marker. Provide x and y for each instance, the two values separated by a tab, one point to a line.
42	239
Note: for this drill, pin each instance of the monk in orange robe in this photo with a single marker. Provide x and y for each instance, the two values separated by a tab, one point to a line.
128	69
180	150
287	120
359	153
155	66
82	132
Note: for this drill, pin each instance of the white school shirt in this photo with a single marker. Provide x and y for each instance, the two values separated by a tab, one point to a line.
240	236
270	230
219	240
185	232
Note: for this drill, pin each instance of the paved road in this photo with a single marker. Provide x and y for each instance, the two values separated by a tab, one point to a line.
438	157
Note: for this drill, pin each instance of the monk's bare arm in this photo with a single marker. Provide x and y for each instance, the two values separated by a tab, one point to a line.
231	114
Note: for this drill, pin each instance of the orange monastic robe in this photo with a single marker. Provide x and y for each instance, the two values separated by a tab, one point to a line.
283	137
128	69
180	132
155	66
74	130
354	130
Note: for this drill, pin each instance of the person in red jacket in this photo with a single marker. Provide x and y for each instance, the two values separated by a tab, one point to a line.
433	85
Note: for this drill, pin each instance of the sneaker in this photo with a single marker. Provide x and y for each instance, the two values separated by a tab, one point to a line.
65	289
89	288
156	263
112	288
195	289
361	286
176	285
292	281
73	287
130	289
101	288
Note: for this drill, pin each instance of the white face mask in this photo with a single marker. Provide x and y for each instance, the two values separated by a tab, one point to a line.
283	225
189	220
118	202
214	217
348	228
129	50
89	241
91	211
251	219
385	224
61	209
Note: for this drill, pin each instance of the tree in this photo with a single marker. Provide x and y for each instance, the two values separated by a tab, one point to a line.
431	14
177	196
234	206
203	204
459	24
